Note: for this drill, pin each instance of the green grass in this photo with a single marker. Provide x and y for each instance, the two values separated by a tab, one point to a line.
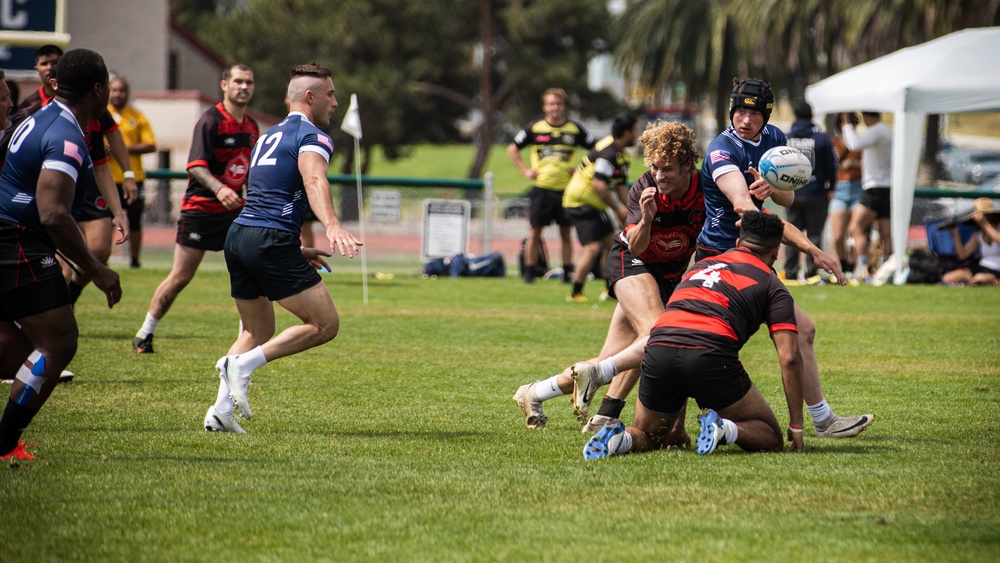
400	441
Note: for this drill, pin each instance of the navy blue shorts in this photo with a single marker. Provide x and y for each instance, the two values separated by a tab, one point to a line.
266	262
672	374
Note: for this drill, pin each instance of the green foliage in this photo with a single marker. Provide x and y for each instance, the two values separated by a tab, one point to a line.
399	440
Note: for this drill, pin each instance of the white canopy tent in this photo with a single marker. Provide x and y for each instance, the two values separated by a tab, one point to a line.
952	74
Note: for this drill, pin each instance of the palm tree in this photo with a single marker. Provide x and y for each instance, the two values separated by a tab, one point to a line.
690	43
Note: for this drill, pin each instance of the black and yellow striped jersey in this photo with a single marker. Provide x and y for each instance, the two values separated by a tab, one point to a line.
604	162
552	150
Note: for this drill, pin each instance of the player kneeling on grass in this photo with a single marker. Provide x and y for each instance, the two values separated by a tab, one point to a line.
262	248
693	351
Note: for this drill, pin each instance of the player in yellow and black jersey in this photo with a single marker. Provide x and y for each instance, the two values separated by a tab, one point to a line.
600	182
553	141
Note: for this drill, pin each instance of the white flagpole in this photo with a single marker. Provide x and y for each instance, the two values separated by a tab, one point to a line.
352	126
361	217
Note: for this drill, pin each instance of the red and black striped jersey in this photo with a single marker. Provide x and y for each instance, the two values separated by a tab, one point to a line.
722	301
222	145
674	232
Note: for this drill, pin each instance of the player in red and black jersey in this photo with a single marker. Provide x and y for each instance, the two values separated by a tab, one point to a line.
217	174
693	351
665	212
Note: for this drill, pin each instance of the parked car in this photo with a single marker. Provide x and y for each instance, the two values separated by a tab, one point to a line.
973	166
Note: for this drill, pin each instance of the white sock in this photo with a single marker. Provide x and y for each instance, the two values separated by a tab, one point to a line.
547	389
248	362
820	412
25	370
33	356
223	404
732	432
623	446
608	370
148	326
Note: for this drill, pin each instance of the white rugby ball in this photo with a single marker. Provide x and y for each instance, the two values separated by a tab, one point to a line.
785	168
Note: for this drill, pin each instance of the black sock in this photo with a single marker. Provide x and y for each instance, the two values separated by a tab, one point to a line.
567	273
611	407
75	290
15	419
577	288
529	273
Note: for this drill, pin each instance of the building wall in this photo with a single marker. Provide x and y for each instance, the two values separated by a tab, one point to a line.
133	36
197	69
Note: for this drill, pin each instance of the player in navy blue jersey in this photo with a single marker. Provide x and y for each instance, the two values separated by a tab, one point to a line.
288	167
46	173
733	185
693	351
217	174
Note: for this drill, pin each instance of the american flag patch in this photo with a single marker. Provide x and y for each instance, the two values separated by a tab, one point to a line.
326	141
718	156
71	150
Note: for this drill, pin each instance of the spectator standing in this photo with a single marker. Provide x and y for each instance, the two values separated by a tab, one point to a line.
875	145
809	208
553	140
217	174
846	194
139	140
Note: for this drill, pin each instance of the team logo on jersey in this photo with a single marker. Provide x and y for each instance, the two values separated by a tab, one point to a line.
236	171
100	203
48	262
543	138
568	139
668	246
229	141
194	236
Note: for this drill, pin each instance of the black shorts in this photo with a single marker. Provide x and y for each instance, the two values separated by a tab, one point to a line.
546	207
204	231
266	262
878	200
94	206
621	264
672	374
31	280
591	225
135	209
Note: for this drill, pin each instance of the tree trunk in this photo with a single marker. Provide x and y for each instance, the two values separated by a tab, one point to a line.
932	146
487	127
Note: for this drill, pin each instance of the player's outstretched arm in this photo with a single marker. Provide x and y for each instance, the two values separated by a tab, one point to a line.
787	344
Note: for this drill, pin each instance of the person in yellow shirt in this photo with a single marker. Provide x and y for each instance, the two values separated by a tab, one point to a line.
553	141
600	183
139	140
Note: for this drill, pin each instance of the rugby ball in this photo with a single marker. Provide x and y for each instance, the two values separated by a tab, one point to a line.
785	168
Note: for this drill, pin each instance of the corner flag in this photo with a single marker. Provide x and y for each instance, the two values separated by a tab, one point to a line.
352	121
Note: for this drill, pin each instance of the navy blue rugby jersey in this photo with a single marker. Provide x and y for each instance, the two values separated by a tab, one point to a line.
727	153
51	139
276	197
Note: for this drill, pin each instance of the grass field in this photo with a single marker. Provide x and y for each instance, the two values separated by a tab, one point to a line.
400	441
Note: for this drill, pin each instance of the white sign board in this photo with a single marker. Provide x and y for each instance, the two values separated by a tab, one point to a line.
446	228
385	206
